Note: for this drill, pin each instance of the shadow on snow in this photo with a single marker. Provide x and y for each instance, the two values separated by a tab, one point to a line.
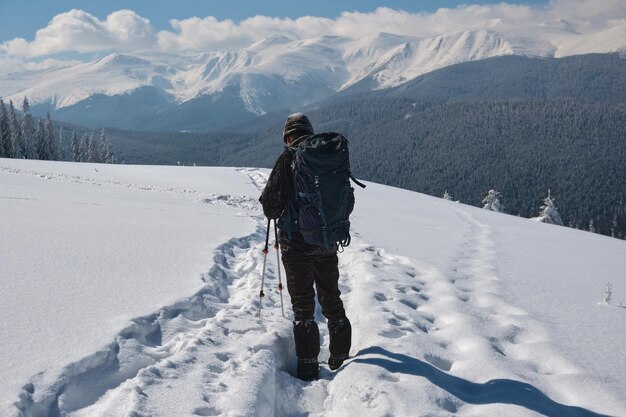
504	391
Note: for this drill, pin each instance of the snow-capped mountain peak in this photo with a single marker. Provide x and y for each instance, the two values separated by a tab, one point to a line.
284	72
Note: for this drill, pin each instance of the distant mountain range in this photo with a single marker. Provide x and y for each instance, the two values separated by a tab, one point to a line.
208	91
519	125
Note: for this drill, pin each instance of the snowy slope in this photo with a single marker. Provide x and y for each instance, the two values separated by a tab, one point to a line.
411	59
110	75
150	297
608	40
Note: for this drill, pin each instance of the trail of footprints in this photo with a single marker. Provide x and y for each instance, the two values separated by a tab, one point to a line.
466	321
404	304
185	344
191	342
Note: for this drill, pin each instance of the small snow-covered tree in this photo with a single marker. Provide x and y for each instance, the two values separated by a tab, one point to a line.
28	132
75	147
447	196
105	150
41	148
83	148
17	151
592	227
492	201
51	145
5	138
61	146
549	213
608	293
614	225
90	149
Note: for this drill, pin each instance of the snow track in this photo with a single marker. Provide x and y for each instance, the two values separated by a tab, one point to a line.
428	340
444	341
186	344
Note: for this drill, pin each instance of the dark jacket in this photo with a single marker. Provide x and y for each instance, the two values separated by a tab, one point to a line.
278	191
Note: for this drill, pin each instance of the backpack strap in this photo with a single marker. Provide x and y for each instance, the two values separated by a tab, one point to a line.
320	207
289	216
357	182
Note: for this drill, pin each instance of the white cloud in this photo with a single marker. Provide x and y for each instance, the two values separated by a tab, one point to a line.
79	31
125	31
595	13
11	64
201	34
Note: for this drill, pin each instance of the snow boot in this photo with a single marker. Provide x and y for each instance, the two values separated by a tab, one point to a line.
340	332
307	338
335	362
308	369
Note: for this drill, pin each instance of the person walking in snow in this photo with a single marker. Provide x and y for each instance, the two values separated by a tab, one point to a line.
306	265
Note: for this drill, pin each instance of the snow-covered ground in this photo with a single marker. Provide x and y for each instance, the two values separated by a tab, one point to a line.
133	291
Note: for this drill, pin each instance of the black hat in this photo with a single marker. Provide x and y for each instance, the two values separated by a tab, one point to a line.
297	122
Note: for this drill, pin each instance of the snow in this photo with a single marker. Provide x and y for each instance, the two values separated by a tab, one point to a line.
410	59
144	301
608	40
111	75
318	65
83	252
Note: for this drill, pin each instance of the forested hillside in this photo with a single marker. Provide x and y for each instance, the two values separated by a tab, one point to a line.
593	77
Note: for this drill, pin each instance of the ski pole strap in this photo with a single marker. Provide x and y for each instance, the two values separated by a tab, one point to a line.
357	182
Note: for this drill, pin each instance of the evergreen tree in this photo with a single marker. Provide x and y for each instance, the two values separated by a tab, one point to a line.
90	151
83	148
61	146
51	145
549	212
5	136
15	134
492	201
105	151
614	225
592	227
28	132
75	147
41	150
102	148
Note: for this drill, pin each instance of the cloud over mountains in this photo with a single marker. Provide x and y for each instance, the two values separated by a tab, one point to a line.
77	31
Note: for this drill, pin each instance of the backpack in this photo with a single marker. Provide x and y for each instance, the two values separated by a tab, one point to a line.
323	193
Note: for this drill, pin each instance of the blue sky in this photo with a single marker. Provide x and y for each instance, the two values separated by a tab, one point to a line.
22	18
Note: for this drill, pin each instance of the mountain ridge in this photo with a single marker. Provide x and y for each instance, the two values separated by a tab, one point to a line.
277	70
521	125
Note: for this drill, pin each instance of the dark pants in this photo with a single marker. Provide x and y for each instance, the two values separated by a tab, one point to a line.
304	271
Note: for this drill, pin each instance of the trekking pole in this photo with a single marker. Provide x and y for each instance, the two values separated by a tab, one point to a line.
265	251
280	281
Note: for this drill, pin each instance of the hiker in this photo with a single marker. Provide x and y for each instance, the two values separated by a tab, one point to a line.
306	264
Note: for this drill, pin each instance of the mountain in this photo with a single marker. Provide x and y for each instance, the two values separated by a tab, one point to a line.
521	125
208	91
134	290
591	77
408	60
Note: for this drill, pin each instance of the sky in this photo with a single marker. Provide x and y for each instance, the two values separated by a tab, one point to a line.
45	34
